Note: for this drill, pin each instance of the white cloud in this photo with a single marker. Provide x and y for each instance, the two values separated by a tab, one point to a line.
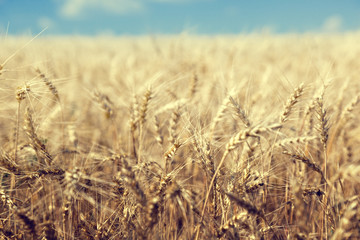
45	22
74	8
332	24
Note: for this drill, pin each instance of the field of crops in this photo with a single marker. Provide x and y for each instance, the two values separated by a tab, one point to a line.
180	137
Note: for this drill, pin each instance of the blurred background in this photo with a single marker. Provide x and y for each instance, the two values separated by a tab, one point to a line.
206	17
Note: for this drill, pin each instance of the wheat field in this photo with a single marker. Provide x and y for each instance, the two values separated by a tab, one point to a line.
180	137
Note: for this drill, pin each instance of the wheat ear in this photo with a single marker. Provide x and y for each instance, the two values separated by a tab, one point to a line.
240	113
345	115
193	85
232	144
159	138
142	118
54	92
294	98
21	94
175	117
39	147
219	115
170	154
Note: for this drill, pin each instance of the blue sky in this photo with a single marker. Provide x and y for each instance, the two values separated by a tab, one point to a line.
138	17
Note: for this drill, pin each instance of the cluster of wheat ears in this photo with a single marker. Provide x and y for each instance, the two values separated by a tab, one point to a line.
237	137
